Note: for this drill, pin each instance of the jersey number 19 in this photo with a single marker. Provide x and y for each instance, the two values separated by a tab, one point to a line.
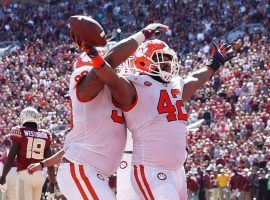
35	148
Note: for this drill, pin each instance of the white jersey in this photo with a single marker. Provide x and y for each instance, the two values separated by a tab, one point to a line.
158	123
98	134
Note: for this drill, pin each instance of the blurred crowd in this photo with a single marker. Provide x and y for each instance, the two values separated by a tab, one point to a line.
234	139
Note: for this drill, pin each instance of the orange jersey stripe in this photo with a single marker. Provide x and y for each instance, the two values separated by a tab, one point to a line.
87	183
138	181
146	183
76	180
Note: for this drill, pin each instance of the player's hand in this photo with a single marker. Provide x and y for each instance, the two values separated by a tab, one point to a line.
49	196
219	55
152	29
50	192
90	50
33	168
3	185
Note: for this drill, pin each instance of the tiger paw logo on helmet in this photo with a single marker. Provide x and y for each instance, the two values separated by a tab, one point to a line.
152	57
142	50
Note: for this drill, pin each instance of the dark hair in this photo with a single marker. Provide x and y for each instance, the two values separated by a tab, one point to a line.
30	125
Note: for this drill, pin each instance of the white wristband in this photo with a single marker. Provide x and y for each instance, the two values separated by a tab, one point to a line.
139	37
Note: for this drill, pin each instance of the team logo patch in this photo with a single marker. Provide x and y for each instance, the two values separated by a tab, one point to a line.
161	176
123	164
147	83
100	177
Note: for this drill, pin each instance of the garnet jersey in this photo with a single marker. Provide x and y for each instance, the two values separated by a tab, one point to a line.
98	134
32	145
158	123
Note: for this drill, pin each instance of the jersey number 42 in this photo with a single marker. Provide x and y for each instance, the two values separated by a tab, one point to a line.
174	112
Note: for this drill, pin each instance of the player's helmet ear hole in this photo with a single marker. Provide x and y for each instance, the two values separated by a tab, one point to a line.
142	63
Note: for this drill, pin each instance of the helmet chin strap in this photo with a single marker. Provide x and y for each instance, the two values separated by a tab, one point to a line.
158	78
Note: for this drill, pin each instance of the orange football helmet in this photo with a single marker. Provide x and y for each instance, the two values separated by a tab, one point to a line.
127	67
145	63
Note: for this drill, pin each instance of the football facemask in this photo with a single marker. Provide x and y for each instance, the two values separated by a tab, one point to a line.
152	56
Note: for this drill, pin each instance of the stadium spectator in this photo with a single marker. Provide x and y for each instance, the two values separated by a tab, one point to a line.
223	180
192	186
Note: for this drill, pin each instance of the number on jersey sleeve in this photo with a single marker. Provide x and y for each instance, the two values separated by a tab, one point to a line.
165	106
35	148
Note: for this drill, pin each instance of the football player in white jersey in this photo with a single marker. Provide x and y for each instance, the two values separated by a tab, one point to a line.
153	106
95	144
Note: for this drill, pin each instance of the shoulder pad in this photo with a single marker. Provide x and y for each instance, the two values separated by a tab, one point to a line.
16	130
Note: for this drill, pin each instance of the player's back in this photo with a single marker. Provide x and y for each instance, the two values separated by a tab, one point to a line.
98	134
158	123
32	145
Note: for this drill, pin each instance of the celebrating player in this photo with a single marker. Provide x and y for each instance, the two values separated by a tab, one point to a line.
94	147
153	105
30	145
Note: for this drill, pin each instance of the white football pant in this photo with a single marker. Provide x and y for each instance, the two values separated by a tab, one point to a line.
83	182
125	190
158	184
11	180
29	186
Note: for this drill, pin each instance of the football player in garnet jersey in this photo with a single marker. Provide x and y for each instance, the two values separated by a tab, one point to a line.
30	145
95	144
153	107
11	178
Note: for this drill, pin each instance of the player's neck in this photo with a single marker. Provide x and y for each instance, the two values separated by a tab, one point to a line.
157	78
30	125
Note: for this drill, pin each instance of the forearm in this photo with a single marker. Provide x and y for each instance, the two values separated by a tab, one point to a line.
10	159
195	81
53	160
202	75
7	166
119	53
49	163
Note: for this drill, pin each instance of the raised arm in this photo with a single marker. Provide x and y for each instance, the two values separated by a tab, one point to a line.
122	90
198	78
93	82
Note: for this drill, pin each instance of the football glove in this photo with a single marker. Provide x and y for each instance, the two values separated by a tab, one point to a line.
3	187
90	50
153	29
50	192
219	56
49	196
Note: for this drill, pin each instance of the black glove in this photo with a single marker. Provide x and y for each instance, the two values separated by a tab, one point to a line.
90	50
219	56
